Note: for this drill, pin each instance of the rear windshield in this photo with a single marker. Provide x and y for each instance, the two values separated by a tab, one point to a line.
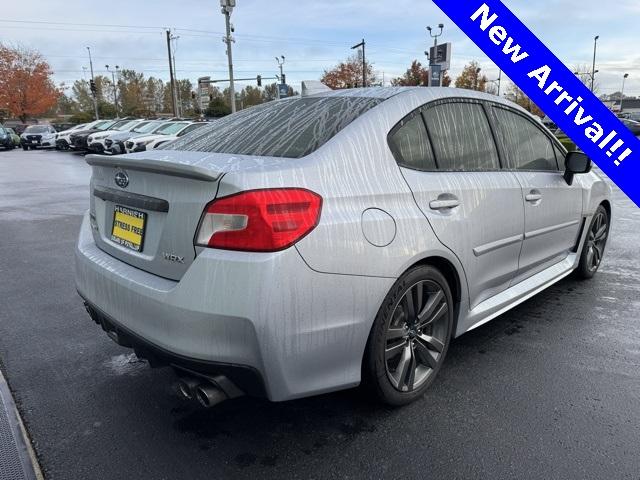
287	128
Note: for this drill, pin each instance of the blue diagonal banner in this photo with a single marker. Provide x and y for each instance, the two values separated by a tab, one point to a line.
552	86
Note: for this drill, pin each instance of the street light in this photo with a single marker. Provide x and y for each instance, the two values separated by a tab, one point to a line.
624	79
115	88
433	60
593	69
95	96
364	62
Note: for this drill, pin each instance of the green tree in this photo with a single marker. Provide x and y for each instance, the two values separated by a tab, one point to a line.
217	108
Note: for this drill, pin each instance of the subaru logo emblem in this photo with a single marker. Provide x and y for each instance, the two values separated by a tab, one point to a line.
122	179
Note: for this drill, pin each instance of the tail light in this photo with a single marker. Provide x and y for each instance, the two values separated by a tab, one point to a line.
259	220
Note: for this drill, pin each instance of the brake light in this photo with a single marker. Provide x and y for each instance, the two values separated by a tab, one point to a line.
259	220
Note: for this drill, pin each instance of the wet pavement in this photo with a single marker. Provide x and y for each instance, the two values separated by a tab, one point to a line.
550	389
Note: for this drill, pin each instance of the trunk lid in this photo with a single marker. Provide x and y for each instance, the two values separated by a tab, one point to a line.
155	199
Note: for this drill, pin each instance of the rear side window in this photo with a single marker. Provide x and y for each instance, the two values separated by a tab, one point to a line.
526	145
286	128
461	136
410	145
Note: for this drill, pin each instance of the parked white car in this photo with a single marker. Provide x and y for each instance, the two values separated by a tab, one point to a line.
115	143
164	139
171	129
63	138
96	141
36	136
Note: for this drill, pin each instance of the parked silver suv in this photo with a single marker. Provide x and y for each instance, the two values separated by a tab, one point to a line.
311	244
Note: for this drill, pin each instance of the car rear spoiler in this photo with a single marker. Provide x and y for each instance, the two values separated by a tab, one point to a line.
164	167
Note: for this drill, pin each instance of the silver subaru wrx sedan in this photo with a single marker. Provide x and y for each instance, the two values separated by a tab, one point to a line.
319	242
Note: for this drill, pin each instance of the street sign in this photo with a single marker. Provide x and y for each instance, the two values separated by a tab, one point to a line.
435	74
203	92
283	90
441	55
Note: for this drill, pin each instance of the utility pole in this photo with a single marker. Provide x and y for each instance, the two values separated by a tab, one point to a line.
593	69
115	88
176	91
499	81
93	82
227	8
173	83
364	62
624	79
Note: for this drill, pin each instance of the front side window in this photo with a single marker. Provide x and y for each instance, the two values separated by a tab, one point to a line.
461	136
526	146
290	128
410	145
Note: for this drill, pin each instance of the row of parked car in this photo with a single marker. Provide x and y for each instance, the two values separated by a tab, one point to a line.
111	137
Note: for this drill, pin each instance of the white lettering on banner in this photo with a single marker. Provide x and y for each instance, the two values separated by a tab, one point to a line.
593	130
498	34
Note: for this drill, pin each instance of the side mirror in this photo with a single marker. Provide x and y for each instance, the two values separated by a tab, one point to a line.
576	163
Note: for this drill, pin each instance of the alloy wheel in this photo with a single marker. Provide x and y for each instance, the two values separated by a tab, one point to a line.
416	335
596	240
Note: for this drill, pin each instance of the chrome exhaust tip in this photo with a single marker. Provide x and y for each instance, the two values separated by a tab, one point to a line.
187	387
210	396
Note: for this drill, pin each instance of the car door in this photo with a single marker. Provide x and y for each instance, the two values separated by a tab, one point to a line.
448	157
553	209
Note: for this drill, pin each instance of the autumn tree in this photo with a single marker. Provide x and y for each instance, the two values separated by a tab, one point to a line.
415	75
471	78
348	74
26	87
516	95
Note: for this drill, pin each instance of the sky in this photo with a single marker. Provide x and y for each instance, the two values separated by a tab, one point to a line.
313	36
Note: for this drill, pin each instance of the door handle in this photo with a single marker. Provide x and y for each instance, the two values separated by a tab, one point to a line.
444	202
533	196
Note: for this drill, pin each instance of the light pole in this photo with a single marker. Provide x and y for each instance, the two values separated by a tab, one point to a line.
280	64
364	62
227	8
115	88
95	94
624	79
593	69
432	61
435	37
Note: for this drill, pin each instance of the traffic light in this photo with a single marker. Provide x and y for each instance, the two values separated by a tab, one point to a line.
92	86
193	95
259	80
284	79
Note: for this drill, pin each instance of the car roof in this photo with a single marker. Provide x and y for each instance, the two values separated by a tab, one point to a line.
429	94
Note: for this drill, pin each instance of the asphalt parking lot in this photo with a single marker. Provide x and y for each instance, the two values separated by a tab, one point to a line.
549	390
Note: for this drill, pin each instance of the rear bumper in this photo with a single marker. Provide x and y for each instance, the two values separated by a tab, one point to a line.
247	379
302	332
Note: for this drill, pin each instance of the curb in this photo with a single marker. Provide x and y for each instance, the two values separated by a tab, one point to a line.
24	450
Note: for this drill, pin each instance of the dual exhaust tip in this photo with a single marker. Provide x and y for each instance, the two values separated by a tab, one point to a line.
207	393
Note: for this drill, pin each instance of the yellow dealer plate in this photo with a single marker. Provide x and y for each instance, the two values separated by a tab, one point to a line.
128	227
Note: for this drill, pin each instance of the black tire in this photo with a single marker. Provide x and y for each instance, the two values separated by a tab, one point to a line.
594	245
426	341
25	148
